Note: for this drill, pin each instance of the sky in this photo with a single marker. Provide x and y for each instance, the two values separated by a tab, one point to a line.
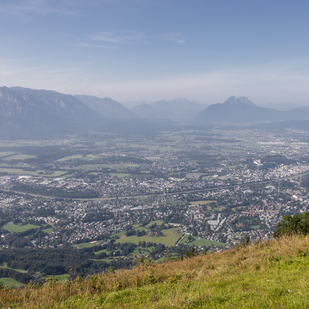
203	50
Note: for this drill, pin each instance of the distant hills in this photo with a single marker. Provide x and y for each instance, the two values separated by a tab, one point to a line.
29	113
106	107
281	106
178	110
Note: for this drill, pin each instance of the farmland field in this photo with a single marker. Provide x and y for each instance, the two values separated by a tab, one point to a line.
20	171
119	175
19	156
49	230
11	227
171	236
83	245
194	175
201	202
10	282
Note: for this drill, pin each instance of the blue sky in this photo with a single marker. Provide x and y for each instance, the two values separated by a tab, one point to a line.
204	50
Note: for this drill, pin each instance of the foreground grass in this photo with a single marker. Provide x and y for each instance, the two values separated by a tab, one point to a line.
266	275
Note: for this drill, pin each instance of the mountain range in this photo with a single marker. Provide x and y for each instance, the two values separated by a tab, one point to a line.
177	110
29	113
34	113
242	110
106	107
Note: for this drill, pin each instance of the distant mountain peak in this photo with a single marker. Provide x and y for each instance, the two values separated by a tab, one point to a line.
241	101
238	110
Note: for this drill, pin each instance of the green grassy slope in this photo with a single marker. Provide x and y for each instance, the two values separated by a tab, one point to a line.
266	275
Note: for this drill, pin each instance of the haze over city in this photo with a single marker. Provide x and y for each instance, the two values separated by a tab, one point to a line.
157	49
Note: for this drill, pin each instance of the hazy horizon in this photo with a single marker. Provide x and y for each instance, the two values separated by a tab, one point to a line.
152	50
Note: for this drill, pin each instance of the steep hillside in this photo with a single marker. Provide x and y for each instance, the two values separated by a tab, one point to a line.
106	107
30	113
264	275
39	113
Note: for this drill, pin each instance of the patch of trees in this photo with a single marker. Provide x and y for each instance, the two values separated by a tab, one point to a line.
174	218
275	160
124	249
94	217
45	154
245	223
289	225
77	262
15	241
138	233
305	182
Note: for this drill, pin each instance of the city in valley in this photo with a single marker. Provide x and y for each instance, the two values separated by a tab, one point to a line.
110	200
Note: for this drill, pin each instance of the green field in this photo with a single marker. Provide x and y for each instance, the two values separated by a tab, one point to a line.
11	227
19	156
119	175
6	153
11	283
101	251
183	241
202	202
20	171
194	175
88	157
77	156
205	242
49	230
83	245
171	236
144	251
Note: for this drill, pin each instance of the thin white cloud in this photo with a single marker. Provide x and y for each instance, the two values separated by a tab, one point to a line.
95	46
173	37
123	37
37	7
128	37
